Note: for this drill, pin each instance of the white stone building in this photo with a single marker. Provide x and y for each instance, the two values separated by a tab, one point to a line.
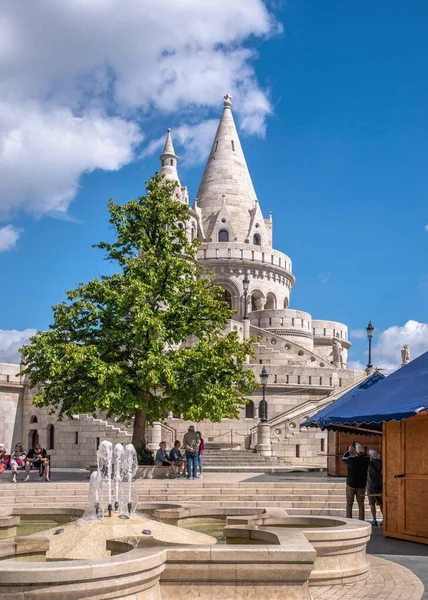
306	358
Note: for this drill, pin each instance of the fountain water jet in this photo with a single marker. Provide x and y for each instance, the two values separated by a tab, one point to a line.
104	460
131	466
119	456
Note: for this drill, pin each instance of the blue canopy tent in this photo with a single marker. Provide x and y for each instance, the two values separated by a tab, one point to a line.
379	399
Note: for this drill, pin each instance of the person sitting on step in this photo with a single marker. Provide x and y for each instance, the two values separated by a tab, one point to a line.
37	457
17	460
162	459
178	460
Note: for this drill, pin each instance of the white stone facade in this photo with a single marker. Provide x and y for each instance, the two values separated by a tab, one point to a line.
306	358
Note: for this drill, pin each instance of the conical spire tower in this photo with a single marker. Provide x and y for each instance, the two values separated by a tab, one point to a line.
226	185
169	159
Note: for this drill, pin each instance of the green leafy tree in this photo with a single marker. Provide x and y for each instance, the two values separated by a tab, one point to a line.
147	339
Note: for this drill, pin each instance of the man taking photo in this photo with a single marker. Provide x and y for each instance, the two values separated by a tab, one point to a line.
357	463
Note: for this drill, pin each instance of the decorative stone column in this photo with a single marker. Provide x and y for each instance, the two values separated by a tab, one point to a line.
264	444
156	436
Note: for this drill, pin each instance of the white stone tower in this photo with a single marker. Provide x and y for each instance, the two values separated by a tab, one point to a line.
236	239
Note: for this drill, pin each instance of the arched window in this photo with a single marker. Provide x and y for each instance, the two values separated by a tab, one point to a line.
257	240
181	226
249	410
51	437
33	438
172	162
227	297
223	235
163	163
33	419
285	302
192	234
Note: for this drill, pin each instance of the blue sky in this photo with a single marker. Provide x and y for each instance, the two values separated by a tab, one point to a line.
332	101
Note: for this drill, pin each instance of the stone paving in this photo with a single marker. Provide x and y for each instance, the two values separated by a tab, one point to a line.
385	583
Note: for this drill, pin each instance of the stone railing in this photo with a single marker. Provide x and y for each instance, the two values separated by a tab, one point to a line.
247	253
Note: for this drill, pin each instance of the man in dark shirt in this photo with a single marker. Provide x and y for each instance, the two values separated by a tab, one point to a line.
357	463
37	457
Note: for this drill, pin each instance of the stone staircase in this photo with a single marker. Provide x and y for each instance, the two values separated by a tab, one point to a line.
236	461
297	497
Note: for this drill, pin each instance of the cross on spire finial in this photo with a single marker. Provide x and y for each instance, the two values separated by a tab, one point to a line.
227	101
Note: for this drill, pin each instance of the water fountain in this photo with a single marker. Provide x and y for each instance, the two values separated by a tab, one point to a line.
114	467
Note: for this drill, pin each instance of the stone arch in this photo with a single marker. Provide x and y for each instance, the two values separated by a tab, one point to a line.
223	235
249	410
227	297
257	240
50	436
270	301
286	302
33	419
257	300
234	293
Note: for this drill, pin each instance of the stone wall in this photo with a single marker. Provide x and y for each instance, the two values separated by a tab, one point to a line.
11	405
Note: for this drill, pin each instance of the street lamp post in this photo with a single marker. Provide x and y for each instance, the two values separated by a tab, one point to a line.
264	376
246	285
370	330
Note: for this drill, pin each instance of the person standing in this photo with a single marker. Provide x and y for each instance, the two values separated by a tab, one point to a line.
357	463
201	452
374	484
191	446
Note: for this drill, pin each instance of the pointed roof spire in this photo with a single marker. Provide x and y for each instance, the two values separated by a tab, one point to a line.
169	159
168	148
226	179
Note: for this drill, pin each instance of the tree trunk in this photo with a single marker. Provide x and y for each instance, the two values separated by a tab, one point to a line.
139	431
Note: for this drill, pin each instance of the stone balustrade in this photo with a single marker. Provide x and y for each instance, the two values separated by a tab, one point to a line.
246	253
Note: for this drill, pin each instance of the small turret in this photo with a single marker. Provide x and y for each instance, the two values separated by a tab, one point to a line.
169	160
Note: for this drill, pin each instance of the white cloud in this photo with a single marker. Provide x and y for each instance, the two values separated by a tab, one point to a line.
9	236
11	341
426	227
386	352
76	77
45	151
358	334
